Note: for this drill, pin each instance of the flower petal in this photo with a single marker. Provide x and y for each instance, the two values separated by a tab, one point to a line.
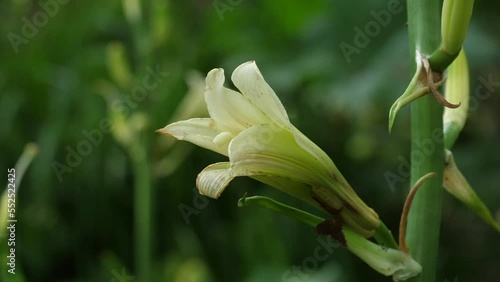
339	184
272	150
316	152
199	131
229	109
296	189
214	179
248	79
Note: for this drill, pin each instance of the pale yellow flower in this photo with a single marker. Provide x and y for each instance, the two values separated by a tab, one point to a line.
252	128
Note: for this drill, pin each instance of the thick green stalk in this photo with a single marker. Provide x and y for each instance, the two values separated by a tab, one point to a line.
427	150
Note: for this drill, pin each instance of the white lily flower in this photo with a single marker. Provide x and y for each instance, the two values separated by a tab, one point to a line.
252	128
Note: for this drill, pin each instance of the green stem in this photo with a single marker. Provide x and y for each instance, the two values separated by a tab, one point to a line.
427	150
143	189
142	208
439	60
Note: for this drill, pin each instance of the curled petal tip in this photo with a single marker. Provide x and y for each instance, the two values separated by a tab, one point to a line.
215	78
212	180
251	62
162	131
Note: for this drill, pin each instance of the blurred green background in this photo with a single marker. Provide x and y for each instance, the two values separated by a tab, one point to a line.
61	77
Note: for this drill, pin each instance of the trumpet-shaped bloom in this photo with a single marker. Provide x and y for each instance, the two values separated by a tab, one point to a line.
252	128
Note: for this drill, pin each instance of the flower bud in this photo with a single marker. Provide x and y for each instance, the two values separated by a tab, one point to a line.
455	20
457	91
